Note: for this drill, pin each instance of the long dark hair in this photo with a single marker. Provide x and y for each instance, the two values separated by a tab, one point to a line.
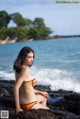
21	57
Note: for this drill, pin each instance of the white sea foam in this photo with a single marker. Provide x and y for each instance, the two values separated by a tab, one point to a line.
7	75
58	79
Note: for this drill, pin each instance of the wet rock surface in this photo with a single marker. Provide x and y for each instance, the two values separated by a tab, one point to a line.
63	104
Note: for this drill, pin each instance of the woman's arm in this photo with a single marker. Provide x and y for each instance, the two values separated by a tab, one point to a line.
37	91
45	94
16	98
17	85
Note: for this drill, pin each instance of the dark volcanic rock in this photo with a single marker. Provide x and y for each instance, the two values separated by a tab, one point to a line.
42	88
36	114
44	114
73	96
73	102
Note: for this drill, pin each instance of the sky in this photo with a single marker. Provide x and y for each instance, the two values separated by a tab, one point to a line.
63	19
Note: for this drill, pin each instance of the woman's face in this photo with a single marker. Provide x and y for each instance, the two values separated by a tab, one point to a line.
29	59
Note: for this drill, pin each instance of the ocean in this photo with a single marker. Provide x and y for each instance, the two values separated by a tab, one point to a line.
57	62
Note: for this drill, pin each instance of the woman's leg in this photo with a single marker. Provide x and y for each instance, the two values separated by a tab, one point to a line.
41	99
39	106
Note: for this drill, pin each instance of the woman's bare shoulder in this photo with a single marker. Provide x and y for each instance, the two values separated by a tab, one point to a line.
24	71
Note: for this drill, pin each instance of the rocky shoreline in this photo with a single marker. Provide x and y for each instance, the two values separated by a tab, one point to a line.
63	104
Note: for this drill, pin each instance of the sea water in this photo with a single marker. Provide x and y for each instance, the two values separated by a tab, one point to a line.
56	63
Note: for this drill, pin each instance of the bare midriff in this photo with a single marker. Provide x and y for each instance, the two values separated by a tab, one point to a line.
26	94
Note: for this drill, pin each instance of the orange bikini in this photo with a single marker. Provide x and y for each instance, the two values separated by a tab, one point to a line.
28	106
32	82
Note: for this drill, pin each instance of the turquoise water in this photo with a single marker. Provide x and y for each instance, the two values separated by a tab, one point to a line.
57	62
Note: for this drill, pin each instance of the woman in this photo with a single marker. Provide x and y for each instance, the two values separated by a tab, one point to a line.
26	97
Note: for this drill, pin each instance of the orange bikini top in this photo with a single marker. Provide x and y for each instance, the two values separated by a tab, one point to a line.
31	83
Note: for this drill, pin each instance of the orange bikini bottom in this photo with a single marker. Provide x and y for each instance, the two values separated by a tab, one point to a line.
28	106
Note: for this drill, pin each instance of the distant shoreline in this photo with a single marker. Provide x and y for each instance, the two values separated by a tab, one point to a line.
2	41
63	36
58	36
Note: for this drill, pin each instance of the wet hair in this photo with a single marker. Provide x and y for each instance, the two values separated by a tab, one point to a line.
21	57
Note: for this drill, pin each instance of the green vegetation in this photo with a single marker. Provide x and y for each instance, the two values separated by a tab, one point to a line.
25	28
4	19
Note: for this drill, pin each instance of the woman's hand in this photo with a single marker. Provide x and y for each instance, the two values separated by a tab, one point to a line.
45	94
18	110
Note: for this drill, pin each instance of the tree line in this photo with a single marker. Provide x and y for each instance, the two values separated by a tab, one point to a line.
25	28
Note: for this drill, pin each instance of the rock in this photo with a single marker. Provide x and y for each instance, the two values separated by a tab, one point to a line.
6	87
44	114
59	93
43	88
73	102
73	96
3	92
8	101
36	114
